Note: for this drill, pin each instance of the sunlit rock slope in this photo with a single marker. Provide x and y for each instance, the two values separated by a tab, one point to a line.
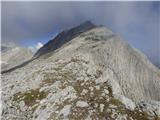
95	75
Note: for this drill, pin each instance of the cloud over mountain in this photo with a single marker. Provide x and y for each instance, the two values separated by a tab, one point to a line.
137	22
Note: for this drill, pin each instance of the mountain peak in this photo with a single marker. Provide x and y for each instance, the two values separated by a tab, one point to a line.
64	37
87	23
96	75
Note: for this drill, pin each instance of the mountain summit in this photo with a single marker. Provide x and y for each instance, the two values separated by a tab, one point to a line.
64	37
84	73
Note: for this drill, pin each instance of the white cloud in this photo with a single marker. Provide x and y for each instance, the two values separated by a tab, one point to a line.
39	45
135	21
34	48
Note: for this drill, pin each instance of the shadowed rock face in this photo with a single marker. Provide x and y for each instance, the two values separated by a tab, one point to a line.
95	75
64	37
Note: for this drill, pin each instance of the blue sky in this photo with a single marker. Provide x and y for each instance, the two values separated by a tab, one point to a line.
27	23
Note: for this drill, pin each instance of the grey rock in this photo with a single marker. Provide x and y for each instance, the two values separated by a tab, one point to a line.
95	66
13	56
151	107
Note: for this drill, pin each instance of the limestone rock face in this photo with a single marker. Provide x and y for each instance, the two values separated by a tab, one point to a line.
12	56
64	37
94	75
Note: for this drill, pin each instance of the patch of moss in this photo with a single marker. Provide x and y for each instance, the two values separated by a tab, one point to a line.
96	98
115	102
78	113
30	97
137	115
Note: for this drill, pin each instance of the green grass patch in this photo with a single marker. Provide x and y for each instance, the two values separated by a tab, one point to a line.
30	97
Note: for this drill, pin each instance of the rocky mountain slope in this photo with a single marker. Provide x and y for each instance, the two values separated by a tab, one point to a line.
12	55
64	37
91	75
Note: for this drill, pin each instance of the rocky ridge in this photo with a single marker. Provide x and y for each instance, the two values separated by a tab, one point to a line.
95	75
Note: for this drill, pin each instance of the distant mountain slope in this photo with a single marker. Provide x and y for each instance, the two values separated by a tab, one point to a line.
94	75
4	48
12	56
